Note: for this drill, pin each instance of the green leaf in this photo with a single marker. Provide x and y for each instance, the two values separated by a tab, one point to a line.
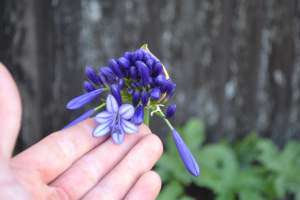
193	133
269	155
185	197
171	191
250	195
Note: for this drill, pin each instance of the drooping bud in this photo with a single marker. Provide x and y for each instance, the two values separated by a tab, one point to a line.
129	90
121	84
145	98
92	76
150	64
124	63
80	101
88	86
157	69
171	111
169	94
133	86
144	73
103	79
152	83
81	118
160	79
186	156
116	68
115	91
137	55
136	98
128	55
138	85
138	116
133	73
155	94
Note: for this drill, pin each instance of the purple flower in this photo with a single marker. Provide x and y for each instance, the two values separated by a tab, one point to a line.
132	86
157	69
124	62
160	79
155	94
115	91
128	55
133	73
138	116
81	118
114	120
145	98
150	63
168	86
88	86
129	90
186	156
80	101
103	79
121	84
116	68
171	111
92	76
152	83
136	98
137	55
108	73
144	72
169	94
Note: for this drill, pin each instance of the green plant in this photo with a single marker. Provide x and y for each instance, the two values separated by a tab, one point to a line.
250	169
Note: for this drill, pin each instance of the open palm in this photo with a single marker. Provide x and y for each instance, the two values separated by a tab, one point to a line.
72	164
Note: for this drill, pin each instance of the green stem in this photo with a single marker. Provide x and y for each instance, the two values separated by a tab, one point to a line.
146	117
99	107
161	114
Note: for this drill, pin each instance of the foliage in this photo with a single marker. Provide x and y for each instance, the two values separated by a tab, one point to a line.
252	168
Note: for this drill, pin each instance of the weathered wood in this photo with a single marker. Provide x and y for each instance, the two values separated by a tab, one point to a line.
236	63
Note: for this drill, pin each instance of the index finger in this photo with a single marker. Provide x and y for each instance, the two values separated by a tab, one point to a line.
54	154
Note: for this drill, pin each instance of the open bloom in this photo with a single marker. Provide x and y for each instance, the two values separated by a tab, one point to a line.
115	120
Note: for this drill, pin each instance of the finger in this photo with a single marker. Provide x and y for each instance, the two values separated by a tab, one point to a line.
86	172
146	188
122	178
53	155
10	112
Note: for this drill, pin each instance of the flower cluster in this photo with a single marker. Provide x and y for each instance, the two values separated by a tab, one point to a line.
138	83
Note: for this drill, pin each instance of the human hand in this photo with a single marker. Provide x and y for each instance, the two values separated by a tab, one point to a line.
71	164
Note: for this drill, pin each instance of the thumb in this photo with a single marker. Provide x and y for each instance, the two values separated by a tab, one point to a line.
10	113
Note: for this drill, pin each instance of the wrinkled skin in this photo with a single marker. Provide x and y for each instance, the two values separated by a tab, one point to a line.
71	164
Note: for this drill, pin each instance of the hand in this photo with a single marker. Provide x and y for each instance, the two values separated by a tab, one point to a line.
72	164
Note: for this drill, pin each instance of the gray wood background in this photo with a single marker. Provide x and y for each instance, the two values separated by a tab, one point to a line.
236	63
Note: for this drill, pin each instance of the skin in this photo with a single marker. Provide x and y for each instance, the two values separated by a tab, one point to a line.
72	164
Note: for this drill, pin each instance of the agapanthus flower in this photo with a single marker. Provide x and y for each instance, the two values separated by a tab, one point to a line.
115	120
139	83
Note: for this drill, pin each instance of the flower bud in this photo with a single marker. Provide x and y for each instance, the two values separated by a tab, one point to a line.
121	84
92	76
169	94
126	73
186	156
157	69
116	68
171	111
129	90
168	86
124	63
149	92
88	86
146	53
160	80
138	85
80	101
150	64
132	86
136	98
115	91
103	79
138	116
81	118
145	98
108	73
133	73
144	73
137	55
152	83
128	55
155	94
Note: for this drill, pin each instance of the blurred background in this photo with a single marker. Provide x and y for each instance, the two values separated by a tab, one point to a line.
236	64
